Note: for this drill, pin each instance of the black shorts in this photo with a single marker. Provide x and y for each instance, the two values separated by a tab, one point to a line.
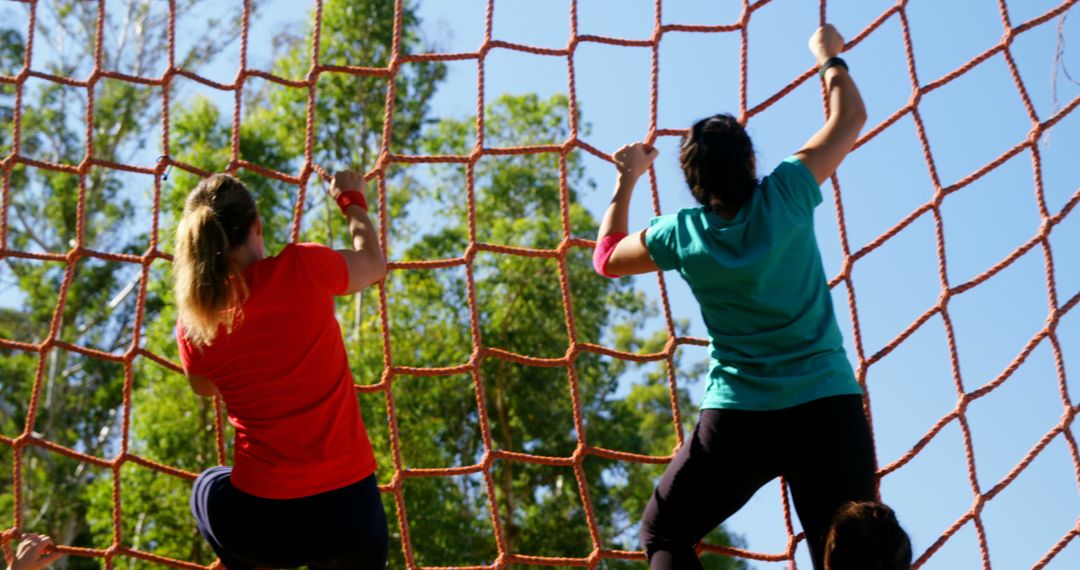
343	528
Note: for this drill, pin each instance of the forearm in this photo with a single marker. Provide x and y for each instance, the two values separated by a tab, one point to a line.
362	230
616	218
845	102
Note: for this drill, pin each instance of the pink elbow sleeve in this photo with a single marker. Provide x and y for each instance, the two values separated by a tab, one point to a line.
604	248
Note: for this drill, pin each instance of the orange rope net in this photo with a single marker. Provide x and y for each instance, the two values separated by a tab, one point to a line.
1057	309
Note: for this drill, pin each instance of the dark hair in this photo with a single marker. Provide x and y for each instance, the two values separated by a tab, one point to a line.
217	217
717	158
867	536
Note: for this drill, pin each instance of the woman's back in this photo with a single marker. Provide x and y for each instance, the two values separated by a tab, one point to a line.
262	333
782	400
285	379
760	283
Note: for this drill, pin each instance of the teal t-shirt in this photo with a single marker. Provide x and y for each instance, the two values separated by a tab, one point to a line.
761	285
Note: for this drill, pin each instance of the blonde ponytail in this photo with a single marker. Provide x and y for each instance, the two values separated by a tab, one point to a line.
209	286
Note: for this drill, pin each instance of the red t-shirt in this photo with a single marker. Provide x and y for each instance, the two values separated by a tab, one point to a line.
285	379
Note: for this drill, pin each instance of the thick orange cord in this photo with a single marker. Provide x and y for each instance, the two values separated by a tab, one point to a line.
480	352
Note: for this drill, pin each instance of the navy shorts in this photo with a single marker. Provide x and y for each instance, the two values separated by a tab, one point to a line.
343	528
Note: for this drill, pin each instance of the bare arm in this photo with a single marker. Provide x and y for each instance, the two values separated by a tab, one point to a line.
630	255
824	152
202	386
365	260
616	217
34	551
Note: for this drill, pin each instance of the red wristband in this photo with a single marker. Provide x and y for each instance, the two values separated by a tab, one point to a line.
351	198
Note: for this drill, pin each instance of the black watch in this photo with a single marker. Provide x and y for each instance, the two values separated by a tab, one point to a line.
832	62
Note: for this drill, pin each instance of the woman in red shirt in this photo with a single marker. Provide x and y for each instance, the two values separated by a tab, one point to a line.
261	331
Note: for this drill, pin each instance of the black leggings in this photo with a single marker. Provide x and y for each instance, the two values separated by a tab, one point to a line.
822	448
343	528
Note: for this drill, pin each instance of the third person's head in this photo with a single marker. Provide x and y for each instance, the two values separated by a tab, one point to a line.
867	536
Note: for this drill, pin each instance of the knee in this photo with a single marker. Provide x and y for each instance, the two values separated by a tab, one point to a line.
654	534
665	546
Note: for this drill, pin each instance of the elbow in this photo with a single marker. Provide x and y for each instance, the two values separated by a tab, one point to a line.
857	116
847	123
605	270
378	267
202	387
851	119
598	263
860	116
380	271
603	252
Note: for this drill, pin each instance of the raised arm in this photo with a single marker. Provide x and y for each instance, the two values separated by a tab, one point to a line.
824	152
616	253
365	260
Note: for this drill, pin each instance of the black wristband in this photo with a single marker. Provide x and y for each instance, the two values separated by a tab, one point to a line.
832	62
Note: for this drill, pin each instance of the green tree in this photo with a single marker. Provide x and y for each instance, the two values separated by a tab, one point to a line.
80	398
518	302
520	310
170	424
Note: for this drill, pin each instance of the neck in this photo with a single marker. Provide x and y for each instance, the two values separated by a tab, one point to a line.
244	256
725	212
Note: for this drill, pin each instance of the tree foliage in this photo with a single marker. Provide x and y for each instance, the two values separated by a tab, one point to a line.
519	305
81	397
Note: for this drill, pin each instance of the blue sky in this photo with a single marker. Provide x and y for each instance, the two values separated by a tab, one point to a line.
968	122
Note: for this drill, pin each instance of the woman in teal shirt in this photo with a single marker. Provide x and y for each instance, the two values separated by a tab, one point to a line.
782	399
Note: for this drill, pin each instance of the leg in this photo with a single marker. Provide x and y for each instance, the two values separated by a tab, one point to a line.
713	475
831	462
207	493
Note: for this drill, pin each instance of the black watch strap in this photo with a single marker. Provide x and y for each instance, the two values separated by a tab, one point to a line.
832	62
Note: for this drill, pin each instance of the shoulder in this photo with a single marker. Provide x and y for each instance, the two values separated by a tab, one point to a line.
795	185
294	251
683	217
791	171
660	222
303	253
292	262
322	266
669	236
189	355
306	248
287	253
